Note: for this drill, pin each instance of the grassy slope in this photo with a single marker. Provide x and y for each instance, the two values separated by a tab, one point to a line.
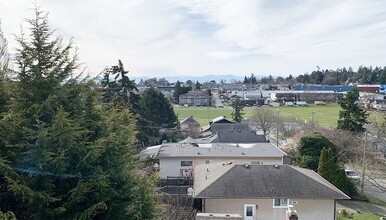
325	116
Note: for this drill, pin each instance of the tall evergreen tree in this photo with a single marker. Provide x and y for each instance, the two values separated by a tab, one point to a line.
351	117
326	166
329	169
237	113
177	92
65	157
120	90
4	68
198	86
157	112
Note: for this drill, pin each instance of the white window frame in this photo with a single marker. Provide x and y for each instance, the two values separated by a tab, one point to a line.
282	203
186	163
182	171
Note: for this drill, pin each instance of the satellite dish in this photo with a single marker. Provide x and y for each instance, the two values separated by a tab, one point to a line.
190	191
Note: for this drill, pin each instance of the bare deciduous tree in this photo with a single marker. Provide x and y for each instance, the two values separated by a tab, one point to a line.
263	119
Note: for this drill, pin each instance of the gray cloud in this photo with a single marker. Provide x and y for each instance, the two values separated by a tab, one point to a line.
182	37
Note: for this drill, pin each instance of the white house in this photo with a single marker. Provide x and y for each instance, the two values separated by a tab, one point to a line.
180	159
264	191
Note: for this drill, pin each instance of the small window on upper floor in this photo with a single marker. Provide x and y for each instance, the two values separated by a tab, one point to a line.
186	163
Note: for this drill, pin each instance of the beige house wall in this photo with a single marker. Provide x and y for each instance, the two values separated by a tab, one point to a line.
172	166
306	209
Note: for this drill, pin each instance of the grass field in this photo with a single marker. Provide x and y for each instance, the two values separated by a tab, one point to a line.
325	116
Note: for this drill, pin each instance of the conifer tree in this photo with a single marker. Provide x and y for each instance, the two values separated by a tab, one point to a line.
326	166
351	117
4	68
121	90
237	113
67	158
197	86
177	92
330	170
157	109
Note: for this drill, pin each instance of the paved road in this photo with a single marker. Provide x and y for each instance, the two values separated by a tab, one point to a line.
353	206
376	188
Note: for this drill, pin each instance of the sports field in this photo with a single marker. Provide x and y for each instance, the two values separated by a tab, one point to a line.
325	115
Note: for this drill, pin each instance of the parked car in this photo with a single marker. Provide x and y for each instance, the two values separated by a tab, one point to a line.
352	175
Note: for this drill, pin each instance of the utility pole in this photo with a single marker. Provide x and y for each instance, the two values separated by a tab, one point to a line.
207	106
312	118
277	130
364	163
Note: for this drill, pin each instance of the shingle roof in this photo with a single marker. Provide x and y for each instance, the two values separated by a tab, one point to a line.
261	181
189	120
150	151
205	140
235	133
232	133
265	149
221	119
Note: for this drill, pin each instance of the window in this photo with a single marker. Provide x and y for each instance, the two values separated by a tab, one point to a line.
249	211
208	161
280	203
184	172
186	163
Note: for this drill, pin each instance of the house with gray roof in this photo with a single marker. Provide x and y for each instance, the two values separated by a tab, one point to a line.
264	191
228	131
206	130
235	133
180	159
190	127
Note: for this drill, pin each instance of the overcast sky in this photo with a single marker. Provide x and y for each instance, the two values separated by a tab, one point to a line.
200	37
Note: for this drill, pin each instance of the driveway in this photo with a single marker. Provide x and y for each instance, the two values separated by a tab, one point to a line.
353	205
375	188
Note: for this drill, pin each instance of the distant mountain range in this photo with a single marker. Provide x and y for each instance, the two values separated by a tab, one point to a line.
227	78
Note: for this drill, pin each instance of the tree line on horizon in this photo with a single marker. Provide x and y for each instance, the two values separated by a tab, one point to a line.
340	76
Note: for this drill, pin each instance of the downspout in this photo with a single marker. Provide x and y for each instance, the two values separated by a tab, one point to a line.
334	208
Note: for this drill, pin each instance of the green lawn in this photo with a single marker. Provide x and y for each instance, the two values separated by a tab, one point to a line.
203	115
325	116
360	216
